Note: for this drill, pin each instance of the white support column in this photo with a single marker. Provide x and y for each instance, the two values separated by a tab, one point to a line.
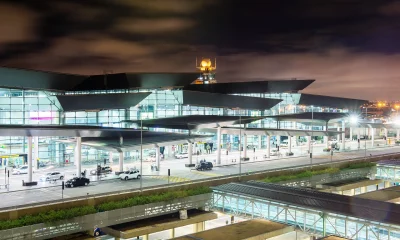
158	157
351	134
397	135
338	136
290	143
268	146
326	142
190	152
359	138
278	140
36	155
110	157
121	161
78	149
245	145
386	136
343	135
30	170
372	136
259	142
172	233
309	143
219	146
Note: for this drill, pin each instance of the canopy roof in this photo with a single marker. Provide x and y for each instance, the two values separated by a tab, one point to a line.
100	101
273	132
331	102
193	122
135	141
308	117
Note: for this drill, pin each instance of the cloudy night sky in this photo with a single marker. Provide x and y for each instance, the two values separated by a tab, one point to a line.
351	47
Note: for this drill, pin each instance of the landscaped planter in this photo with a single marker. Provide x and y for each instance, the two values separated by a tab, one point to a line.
246	159
107	218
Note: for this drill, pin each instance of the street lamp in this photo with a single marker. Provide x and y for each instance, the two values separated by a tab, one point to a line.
312	132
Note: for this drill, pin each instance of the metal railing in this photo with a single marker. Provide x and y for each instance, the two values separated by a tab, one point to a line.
104	219
210	179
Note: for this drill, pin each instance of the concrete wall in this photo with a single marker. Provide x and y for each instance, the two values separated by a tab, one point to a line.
14	214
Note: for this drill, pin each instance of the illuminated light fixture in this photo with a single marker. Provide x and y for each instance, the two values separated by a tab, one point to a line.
354	119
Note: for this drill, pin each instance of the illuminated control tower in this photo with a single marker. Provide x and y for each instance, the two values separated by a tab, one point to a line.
207	75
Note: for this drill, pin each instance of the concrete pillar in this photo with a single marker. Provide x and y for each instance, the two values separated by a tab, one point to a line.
358	138
397	135
121	161
110	158
259	142
190	152
36	158
245	145
290	143
363	189
145	237
338	136
386	135
343	136
352	192
309	143
387	184
158	157
326	141
198	227
219	145
30	170
351	134
372	136
78	155
172	233
278	140
268	146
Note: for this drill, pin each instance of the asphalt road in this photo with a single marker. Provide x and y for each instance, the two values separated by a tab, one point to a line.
18	195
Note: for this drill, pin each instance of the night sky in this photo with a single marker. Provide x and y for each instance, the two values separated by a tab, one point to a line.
351	47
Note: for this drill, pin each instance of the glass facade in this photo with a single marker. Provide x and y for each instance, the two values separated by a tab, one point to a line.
27	107
313	222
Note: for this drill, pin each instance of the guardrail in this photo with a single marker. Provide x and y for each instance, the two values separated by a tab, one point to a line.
104	219
233	177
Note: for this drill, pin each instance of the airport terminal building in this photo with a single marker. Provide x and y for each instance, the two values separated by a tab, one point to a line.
163	102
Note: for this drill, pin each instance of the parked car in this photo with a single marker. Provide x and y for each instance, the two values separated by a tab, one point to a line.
52	176
274	152
77	181
21	170
101	170
181	155
204	166
132	174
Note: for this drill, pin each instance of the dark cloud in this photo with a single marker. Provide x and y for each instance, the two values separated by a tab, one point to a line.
349	46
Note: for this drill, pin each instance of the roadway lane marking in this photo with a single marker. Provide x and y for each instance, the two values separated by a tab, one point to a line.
171	178
207	174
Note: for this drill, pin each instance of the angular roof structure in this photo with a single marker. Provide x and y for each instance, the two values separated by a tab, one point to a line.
264	86
327	202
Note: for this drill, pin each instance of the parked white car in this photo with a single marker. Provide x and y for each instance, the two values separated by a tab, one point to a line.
52	176
131	174
21	170
181	155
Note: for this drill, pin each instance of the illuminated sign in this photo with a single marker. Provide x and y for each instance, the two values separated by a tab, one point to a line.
41	115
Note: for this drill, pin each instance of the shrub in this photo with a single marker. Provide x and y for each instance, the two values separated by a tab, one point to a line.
63	214
308	173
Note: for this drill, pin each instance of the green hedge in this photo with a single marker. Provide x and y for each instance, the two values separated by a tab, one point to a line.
308	173
64	214
140	200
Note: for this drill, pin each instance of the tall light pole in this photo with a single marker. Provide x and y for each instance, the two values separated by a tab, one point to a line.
312	132
141	152
365	134
240	146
